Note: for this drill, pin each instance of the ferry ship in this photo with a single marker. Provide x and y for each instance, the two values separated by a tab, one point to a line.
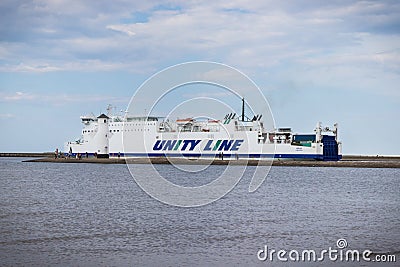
232	137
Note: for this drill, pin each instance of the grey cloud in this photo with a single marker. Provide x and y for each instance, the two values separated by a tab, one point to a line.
68	35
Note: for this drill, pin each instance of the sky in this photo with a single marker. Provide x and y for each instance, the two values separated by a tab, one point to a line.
329	61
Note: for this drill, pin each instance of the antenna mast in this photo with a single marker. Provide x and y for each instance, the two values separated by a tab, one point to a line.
109	110
243	109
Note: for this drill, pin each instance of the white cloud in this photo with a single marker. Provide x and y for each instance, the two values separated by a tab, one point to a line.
257	37
294	47
7	116
125	28
17	96
58	99
34	68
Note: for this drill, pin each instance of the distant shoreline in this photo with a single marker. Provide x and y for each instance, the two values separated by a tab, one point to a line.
347	161
26	154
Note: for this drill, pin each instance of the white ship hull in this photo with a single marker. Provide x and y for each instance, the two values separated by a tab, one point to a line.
151	137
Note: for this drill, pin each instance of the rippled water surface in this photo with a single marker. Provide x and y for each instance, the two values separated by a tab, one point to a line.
96	215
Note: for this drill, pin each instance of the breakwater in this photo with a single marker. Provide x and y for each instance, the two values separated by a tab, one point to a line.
347	161
26	155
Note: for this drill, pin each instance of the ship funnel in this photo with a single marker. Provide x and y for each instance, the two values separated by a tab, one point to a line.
335	130
318	131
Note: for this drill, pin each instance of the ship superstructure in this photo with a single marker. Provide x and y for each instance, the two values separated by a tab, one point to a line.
231	137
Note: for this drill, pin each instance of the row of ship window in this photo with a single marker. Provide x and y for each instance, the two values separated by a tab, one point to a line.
127	130
131	124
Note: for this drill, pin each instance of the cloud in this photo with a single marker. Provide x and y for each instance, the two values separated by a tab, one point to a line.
214	95
124	28
45	67
7	116
304	53
17	96
258	37
58	99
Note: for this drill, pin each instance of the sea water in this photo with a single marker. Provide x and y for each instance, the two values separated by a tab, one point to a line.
66	214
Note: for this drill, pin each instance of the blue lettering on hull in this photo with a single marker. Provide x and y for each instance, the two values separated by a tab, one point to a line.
190	145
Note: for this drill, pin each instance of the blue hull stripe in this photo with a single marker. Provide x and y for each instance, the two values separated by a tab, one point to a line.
241	156
246	156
